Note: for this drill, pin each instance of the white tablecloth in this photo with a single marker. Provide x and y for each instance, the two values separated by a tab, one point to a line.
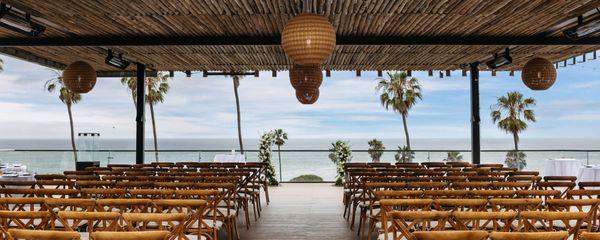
229	158
19	178
13	168
562	167
589	174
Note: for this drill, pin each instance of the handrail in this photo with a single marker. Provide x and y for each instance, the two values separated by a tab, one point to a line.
301	150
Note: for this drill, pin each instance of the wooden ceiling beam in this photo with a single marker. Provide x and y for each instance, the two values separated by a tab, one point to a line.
276	40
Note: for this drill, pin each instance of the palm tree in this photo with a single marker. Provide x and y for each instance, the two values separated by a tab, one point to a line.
400	93
280	138
511	113
157	89
236	84
453	156
376	149
67	97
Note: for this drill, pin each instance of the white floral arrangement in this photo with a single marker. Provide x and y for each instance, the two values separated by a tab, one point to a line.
340	154
264	155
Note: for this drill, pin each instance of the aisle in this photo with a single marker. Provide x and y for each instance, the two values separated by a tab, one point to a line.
301	211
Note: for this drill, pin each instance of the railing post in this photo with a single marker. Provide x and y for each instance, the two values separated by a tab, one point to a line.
140	118
475	119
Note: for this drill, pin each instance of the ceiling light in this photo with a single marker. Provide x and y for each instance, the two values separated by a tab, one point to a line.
116	61
583	29
500	60
19	21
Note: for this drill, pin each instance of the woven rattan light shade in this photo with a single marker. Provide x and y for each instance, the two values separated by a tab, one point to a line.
307	96
308	39
306	77
538	74
79	77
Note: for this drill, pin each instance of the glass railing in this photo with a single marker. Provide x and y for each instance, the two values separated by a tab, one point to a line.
293	162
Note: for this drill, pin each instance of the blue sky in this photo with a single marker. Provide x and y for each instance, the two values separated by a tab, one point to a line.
199	107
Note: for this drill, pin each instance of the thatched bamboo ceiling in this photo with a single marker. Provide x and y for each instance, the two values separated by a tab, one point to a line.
266	18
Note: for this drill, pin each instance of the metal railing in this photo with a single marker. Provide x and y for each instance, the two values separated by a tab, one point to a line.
293	162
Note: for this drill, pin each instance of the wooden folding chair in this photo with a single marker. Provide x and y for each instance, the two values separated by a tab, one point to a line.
172	222
100	193
463	204
403	223
589	236
17	184
557	185
450	235
124	205
36	220
70	204
488	221
588	206
17	192
152	193
390	205
562	235
471	185
89	222
23	234
146	235
536	221
57	193
543	194
194	208
492	193
435	194
23	204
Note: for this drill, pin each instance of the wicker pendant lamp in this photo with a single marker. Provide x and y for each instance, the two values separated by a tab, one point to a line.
306	80
303	77
538	74
308	39
79	77
308	96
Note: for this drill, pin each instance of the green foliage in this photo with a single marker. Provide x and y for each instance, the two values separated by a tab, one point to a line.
64	94
400	93
264	155
307	178
157	86
376	149
511	113
516	159
404	155
454	156
340	153
280	137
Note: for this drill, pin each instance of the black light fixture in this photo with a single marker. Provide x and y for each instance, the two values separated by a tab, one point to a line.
188	73
116	61
584	28
19	21
256	73
500	60
171	74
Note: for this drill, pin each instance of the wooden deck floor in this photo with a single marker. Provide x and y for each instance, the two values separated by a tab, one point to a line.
301	211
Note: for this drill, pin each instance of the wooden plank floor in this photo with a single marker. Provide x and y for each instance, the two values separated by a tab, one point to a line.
301	211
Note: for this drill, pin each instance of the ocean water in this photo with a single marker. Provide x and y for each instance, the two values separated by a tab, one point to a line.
293	162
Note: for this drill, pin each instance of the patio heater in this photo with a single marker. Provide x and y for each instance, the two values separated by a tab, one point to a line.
87	146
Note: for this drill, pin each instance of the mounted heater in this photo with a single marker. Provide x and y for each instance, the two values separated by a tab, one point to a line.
116	61
19	21
500	60
584	28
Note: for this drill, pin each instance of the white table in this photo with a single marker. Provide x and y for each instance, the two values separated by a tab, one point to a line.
238	158
588	174
14	168
19	178
562	167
